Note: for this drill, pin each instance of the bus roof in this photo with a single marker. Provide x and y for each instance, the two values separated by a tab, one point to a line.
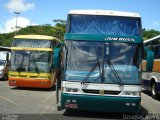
152	39
104	12
44	37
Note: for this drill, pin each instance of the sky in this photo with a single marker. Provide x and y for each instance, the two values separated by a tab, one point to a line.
39	12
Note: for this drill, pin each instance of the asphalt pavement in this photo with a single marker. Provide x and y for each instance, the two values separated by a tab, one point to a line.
40	104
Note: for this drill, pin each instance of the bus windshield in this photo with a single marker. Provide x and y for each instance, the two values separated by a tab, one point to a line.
30	61
99	24
82	57
2	62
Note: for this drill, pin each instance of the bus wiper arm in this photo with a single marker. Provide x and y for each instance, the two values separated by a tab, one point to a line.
36	67
114	72
20	68
90	72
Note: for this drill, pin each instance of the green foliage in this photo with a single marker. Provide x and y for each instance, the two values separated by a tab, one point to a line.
60	28
57	31
60	22
147	34
6	38
39	30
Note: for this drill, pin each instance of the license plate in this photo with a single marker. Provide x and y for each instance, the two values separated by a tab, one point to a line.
71	105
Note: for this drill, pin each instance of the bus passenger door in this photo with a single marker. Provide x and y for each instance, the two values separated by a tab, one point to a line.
57	68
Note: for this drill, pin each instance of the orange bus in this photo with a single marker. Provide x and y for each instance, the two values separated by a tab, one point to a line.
32	61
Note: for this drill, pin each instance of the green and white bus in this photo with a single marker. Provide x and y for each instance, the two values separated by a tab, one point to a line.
102	61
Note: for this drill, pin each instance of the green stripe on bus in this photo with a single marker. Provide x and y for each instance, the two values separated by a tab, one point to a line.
103	38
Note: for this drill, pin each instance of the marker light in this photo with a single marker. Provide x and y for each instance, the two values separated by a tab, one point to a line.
69	89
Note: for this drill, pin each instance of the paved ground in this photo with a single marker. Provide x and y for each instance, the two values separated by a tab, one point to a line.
40	104
151	105
26	100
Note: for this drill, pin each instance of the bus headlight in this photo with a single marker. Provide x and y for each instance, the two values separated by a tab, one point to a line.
132	93
69	89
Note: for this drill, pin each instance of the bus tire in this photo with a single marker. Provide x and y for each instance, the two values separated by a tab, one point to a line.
154	91
5	77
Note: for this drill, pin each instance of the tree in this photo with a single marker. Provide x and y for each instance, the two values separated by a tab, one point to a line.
147	34
60	28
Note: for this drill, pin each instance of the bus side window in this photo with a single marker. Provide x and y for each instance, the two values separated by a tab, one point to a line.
155	49
159	51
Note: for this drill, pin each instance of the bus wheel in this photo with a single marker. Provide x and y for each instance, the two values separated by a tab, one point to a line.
154	91
5	77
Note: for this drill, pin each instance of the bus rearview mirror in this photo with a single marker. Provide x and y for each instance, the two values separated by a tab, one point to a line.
56	58
149	59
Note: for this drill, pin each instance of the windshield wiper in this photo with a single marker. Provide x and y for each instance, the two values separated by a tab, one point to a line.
90	72
36	66
20	68
114	72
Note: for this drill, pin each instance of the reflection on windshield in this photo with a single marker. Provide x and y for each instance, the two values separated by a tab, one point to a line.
82	57
121	53
33	61
31	43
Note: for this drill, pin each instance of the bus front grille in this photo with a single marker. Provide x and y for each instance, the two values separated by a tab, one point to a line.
109	92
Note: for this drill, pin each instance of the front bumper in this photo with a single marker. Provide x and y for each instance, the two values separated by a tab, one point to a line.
100	103
30	82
